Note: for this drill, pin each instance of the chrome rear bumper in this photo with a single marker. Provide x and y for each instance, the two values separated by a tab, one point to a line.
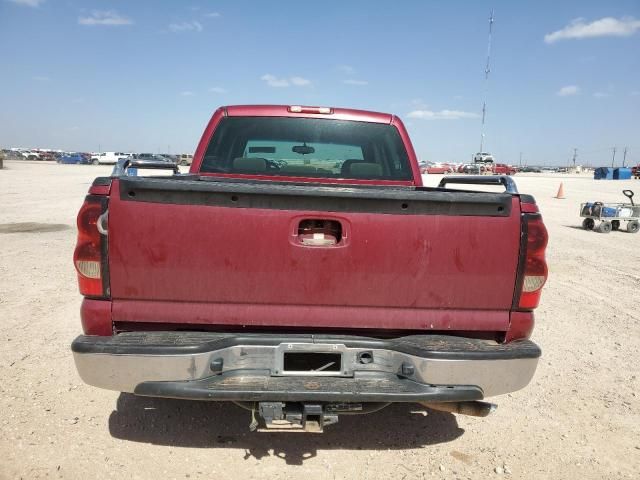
250	367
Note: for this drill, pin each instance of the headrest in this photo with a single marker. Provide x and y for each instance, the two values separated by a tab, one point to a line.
248	164
299	169
345	168
366	169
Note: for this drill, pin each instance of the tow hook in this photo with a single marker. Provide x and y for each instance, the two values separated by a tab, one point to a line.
282	417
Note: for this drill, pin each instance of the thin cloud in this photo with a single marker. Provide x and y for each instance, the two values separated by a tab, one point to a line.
41	78
568	90
218	90
187	93
635	93
299	81
601	95
274	81
213	15
347	69
441	115
352	81
281	82
108	18
28	3
193	26
605	27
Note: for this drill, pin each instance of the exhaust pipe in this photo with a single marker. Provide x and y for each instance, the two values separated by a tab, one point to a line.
472	408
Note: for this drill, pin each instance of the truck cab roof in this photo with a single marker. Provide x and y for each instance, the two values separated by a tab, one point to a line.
307	111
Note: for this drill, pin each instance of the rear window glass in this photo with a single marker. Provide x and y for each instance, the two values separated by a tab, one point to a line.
307	147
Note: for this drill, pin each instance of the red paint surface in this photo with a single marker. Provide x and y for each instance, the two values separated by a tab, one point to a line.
309	316
240	256
95	316
99	189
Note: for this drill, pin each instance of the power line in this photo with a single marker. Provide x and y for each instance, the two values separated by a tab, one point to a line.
613	158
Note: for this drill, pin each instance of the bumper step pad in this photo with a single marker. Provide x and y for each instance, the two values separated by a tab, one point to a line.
250	386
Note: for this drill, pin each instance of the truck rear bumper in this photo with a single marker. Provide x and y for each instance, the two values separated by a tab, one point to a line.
266	367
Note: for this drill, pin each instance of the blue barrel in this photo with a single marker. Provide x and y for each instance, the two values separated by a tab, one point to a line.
621	173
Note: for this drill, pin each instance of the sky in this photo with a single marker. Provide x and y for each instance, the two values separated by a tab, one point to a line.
147	75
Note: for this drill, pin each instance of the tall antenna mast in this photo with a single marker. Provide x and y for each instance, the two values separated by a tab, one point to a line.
487	70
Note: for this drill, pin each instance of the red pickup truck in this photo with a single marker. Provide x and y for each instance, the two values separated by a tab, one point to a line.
504	169
302	270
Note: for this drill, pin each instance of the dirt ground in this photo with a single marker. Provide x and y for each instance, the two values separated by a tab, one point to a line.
579	418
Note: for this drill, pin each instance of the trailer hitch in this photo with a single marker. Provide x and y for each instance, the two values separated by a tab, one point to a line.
283	417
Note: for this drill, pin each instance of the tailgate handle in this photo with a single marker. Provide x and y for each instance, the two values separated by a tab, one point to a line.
318	232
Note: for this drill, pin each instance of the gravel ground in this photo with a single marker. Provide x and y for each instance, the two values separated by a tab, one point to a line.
579	418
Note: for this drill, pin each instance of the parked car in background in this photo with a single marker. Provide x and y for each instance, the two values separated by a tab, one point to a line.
174	158
504	169
153	156
475	169
437	168
75	158
30	155
145	156
185	159
483	157
48	156
108	158
12	154
531	169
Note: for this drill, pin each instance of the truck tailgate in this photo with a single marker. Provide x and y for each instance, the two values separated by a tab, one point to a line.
207	252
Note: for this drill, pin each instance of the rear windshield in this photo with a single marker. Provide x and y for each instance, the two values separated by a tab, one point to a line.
307	147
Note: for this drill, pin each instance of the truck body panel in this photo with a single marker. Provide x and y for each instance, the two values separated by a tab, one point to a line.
226	259
302	270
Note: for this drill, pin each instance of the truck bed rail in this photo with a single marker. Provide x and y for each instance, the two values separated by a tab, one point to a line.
506	181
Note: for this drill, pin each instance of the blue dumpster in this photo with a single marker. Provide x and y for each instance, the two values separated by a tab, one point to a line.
621	173
603	173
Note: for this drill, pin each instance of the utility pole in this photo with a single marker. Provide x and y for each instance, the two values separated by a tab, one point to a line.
575	155
487	70
520	158
624	157
613	159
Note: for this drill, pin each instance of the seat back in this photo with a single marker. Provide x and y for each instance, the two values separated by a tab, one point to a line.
360	168
249	164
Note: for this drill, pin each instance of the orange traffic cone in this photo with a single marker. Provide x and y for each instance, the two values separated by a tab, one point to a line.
560	193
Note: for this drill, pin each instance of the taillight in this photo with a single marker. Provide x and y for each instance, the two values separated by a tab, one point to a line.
90	255
534	269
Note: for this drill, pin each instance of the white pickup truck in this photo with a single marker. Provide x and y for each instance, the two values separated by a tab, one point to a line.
108	157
